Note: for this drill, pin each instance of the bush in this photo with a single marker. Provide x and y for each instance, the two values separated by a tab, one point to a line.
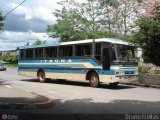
148	79
157	71
9	58
143	69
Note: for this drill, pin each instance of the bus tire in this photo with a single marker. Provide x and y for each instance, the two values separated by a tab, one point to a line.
41	76
94	80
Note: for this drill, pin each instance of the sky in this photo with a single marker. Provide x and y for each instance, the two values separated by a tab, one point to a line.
27	23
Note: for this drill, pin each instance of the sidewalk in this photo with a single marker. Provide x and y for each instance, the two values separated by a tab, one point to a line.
14	98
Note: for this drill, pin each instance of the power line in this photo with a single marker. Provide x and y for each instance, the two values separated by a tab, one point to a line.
14	8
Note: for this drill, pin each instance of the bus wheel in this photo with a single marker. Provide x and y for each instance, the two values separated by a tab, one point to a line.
94	80
41	76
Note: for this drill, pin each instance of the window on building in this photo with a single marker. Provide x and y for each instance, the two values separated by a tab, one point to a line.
39	53
29	53
51	52
22	54
83	50
65	51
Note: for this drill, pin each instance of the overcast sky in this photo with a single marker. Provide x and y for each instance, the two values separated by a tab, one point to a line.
27	23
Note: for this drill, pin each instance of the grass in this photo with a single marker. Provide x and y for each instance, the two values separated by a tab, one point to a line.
9	65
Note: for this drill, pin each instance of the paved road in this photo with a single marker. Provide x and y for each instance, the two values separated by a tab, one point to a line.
79	97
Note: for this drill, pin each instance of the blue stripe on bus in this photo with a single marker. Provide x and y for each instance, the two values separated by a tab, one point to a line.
80	61
93	62
51	66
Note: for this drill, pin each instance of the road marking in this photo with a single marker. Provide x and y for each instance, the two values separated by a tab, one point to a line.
8	86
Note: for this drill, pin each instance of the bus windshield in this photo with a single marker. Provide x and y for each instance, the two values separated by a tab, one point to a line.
123	53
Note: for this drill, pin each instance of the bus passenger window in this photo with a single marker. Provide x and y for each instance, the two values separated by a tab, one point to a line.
83	50
29	53
51	52
39	53
65	51
98	51
22	55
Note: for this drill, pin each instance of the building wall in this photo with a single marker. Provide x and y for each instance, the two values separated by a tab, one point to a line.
9	52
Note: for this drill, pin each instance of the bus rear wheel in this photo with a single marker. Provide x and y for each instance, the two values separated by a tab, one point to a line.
41	76
94	80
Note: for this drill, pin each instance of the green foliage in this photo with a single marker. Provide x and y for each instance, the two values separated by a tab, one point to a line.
38	42
157	71
9	58
1	21
12	65
73	24
148	38
143	69
148	79
91	19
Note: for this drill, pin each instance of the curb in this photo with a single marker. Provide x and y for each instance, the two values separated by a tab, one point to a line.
142	85
46	104
40	105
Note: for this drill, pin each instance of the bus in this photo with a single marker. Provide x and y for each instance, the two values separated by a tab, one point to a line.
104	60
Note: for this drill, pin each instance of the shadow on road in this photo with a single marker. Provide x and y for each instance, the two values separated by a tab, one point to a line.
87	109
110	107
83	84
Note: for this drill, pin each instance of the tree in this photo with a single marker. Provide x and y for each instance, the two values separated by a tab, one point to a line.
1	21
128	11
148	35
9	58
65	28
39	42
95	19
109	11
77	21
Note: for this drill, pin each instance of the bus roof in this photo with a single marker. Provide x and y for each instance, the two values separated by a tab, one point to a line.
110	40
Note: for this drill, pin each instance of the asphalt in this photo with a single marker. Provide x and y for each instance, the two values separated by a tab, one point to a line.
16	98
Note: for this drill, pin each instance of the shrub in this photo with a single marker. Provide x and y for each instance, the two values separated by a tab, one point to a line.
9	58
157	71
143	69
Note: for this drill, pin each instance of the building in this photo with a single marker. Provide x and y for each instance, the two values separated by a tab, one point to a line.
8	52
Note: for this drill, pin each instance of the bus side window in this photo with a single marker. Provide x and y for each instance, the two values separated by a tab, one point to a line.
39	53
65	51
98	51
83	50
50	52
29	53
22	54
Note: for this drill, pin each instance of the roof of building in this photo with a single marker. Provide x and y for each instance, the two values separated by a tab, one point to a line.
110	40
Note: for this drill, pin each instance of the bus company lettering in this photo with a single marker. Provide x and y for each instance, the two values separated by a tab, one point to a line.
56	61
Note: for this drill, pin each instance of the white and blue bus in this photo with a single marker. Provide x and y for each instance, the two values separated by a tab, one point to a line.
104	60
